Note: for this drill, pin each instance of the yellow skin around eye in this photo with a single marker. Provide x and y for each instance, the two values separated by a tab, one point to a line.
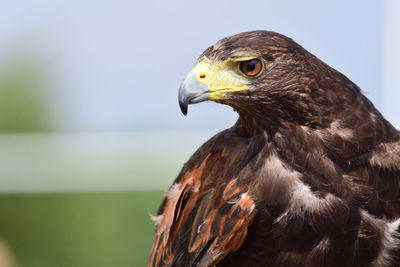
223	77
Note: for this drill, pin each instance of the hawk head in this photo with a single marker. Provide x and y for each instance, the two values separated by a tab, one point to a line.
269	79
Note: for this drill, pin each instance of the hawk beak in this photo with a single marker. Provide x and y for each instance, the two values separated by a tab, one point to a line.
192	91
208	82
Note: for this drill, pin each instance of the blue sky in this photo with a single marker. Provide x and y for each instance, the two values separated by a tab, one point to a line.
117	65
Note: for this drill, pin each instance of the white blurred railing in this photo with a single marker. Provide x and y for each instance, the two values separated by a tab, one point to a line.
94	162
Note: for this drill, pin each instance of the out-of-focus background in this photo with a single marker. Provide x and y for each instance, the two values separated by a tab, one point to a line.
91	132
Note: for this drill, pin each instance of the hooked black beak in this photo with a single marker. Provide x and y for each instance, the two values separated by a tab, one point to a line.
192	91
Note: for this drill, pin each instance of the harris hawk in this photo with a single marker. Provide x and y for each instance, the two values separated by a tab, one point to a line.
308	176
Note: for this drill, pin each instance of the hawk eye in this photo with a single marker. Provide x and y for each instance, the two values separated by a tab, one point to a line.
251	68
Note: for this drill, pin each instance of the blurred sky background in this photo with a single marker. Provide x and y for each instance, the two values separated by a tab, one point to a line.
102	78
116	65
88	103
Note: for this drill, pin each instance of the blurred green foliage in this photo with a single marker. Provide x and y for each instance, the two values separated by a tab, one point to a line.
79	229
24	94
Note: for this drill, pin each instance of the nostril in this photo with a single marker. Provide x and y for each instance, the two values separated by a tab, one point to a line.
202	76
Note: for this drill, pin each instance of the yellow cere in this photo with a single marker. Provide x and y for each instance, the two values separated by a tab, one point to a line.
220	78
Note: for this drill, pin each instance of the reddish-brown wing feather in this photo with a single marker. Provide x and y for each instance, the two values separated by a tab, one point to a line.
204	218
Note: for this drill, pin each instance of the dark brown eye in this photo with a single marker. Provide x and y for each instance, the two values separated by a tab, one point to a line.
251	68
